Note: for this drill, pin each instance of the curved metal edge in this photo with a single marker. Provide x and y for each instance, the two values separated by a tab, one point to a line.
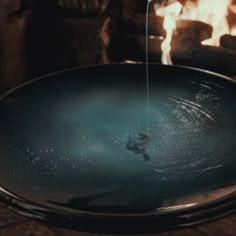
120	224
180	219
116	64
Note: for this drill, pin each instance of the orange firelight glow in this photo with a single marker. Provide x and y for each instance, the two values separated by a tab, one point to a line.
169	13
212	12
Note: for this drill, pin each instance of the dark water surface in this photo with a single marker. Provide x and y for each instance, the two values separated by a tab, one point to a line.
66	140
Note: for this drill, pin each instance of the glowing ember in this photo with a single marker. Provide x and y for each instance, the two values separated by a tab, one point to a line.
169	13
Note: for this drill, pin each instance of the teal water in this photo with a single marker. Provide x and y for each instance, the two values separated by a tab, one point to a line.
65	137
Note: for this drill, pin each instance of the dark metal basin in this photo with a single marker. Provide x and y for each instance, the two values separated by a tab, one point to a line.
67	158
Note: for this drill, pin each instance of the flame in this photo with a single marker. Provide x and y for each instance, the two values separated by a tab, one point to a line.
215	12
233	31
212	12
169	13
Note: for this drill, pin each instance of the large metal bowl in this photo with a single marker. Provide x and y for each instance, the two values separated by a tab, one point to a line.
67	157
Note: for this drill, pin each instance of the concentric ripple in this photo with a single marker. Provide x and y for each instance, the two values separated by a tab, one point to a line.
83	134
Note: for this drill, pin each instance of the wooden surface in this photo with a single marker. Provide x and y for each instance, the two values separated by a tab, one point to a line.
12	224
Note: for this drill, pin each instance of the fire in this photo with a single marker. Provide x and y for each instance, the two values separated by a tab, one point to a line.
169	13
233	31
212	12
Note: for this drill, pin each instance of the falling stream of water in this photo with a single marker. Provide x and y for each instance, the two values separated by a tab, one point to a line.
138	141
147	68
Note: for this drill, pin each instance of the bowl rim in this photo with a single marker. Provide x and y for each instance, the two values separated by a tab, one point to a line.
35	210
188	68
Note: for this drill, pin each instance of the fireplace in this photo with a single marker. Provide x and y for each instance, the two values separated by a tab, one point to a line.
41	37
203	33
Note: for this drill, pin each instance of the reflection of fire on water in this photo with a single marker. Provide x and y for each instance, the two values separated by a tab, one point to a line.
212	12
